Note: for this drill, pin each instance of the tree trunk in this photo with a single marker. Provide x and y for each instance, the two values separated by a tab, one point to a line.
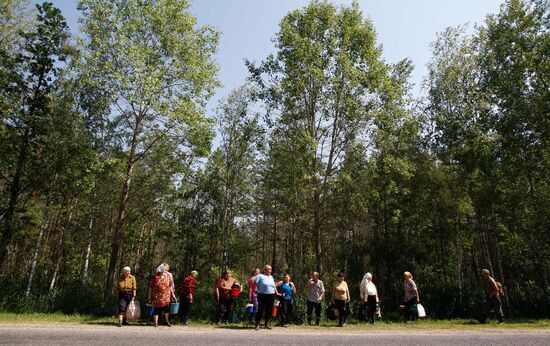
486	249
61	253
15	189
151	248
317	232
545	280
115	241
540	230
458	258
487	253
300	254
43	227
87	251
264	238
139	251
274	245
501	276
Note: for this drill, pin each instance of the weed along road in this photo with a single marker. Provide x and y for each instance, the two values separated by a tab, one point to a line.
50	334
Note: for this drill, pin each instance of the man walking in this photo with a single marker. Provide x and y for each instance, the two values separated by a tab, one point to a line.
492	300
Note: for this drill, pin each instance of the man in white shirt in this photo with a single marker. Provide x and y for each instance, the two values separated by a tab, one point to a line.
315	295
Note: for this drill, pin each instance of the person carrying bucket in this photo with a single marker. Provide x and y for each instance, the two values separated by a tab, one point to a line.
266	296
161	291
285	290
187	293
225	300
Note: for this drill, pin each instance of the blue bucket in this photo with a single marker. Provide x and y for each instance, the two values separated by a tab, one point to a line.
250	309
174	307
150	310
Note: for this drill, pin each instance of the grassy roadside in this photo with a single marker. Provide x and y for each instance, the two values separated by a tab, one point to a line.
459	324
11	317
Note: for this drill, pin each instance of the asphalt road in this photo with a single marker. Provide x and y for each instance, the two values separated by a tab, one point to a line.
134	335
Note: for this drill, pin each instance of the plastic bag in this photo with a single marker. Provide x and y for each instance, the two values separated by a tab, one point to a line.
133	312
421	310
378	312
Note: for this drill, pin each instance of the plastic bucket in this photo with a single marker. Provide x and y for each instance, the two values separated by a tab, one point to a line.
250	309
274	311
174	307
235	292
150	310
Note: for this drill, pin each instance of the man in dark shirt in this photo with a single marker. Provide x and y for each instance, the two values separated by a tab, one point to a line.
492	298
187	294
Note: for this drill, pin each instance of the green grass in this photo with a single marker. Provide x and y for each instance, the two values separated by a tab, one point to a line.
458	324
11	317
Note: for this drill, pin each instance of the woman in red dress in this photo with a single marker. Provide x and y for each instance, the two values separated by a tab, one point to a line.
161	291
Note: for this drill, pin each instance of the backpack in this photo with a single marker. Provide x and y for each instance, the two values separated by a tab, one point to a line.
500	289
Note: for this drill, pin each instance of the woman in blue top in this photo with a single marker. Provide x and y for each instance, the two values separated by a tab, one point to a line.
266	296
285	289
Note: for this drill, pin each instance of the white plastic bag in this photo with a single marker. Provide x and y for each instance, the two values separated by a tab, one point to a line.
133	312
421	310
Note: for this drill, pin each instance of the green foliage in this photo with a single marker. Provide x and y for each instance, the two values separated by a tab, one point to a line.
324	160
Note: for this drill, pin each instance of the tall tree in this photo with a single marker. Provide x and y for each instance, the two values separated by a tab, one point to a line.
28	84
239	131
515	65
323	82
157	66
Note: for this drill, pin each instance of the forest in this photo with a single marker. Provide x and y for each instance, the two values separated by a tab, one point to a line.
323	160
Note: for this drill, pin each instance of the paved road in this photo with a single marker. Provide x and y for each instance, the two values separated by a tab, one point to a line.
134	335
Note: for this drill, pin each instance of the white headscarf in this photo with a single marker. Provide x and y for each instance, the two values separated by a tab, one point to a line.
367	285
160	269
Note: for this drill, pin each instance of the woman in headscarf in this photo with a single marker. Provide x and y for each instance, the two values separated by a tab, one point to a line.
161	291
166	269
126	293
411	296
369	296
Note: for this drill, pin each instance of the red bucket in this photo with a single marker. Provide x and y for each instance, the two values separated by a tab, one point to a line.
235	292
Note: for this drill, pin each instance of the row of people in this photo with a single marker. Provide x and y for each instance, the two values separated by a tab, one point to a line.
263	291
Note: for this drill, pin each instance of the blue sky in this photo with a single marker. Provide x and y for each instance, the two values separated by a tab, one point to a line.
405	28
